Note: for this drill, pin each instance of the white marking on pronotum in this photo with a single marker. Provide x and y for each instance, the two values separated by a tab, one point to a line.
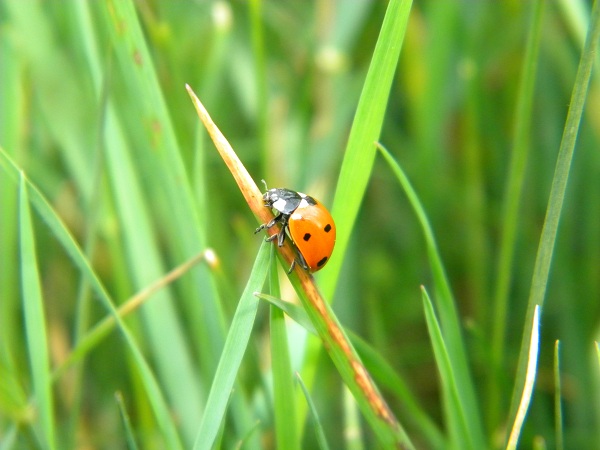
303	203
279	204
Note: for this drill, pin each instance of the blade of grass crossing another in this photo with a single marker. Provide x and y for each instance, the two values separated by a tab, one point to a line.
366	127
456	415
446	306
283	386
233	351
62	235
382	420
383	373
545	251
285	408
35	323
314	415
512	200
129	433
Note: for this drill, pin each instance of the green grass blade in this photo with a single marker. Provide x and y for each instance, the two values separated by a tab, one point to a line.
446	306
295	312
381	370
163	204
283	381
558	414
129	432
545	251
360	151
512	199
62	234
35	323
530	375
231	358
283	387
456	416
386	376
314	415
374	408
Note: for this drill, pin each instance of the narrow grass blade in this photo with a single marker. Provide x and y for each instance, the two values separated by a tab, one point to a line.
283	387
370	401
296	312
558	416
360	151
512	200
387	377
35	323
529	382
131	443
446	306
314	415
231	358
456	415
62	234
545	251
286	434
383	373
97	334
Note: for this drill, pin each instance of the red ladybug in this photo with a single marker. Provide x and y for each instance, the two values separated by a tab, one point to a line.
308	223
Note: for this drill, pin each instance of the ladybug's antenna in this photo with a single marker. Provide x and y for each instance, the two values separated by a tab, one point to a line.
265	183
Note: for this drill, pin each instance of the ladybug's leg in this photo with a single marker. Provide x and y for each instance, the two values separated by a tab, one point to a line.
281	234
300	260
269	224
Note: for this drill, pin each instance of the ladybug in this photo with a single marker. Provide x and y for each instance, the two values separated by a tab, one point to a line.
308	224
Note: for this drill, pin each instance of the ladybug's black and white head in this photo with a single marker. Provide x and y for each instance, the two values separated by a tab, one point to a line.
286	201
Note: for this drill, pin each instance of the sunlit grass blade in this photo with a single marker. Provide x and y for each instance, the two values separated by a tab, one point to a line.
35	324
456	416
231	357
446	307
558	415
366	127
530	376
62	235
314	415
545	250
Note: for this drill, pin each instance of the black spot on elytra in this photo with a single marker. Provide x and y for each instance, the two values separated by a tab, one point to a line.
327	228
307	236
322	261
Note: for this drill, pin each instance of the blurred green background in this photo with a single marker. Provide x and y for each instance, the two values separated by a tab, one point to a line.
106	131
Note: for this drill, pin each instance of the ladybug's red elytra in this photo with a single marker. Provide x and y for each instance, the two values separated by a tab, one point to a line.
308	223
